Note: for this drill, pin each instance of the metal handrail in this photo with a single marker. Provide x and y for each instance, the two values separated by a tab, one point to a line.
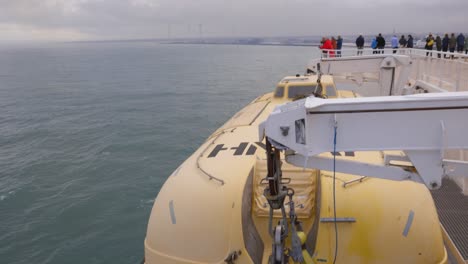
443	69
348	52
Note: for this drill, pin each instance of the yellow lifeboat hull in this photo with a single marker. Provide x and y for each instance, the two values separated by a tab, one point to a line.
211	208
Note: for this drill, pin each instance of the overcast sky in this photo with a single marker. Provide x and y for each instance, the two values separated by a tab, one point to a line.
128	19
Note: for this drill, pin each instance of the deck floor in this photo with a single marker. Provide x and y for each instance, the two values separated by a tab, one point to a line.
452	207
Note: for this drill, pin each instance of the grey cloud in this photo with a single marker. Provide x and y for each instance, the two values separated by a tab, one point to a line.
102	19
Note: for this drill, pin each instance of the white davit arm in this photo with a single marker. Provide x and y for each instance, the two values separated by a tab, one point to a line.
422	125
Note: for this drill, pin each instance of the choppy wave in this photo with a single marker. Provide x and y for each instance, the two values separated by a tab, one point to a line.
91	131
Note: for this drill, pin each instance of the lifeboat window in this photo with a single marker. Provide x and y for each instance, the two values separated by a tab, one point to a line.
299	91
331	91
279	93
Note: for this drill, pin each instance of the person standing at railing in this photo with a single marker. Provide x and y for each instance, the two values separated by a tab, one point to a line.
333	41
460	43
374	45
438	42
445	44
394	44
466	44
327	48
360	44
380	43
403	41
410	42
429	44
452	44
339	44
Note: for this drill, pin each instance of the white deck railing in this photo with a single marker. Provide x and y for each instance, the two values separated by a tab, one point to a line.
447	70
348	52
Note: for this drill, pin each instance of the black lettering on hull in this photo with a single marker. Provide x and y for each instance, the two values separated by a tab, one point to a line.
240	149
216	150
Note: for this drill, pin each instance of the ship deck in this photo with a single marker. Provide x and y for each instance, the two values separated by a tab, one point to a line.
452	207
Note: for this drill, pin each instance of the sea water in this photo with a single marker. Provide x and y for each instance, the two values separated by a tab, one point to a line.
89	132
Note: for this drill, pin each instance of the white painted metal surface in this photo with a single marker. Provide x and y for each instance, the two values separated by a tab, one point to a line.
411	71
422	125
353	167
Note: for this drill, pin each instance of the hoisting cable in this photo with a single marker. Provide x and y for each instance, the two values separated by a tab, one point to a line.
334	193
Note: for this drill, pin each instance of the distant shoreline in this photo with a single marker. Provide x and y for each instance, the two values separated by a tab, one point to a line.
243	44
299	41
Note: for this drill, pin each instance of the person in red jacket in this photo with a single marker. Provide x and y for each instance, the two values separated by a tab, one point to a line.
327	48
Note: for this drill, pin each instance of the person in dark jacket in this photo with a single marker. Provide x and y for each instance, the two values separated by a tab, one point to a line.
381	43
438	42
445	44
409	44
402	42
466	44
339	44
360	44
452	44
460	42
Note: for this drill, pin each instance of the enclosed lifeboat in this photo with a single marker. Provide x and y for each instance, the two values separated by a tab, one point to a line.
212	208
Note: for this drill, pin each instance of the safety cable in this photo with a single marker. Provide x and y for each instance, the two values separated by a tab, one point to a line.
334	197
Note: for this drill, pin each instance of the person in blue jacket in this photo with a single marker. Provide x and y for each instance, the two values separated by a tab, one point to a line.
445	44
339	44
374	45
460	43
394	44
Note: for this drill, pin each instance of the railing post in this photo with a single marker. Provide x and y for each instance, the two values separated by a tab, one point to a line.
418	70
440	72
431	72
457	85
